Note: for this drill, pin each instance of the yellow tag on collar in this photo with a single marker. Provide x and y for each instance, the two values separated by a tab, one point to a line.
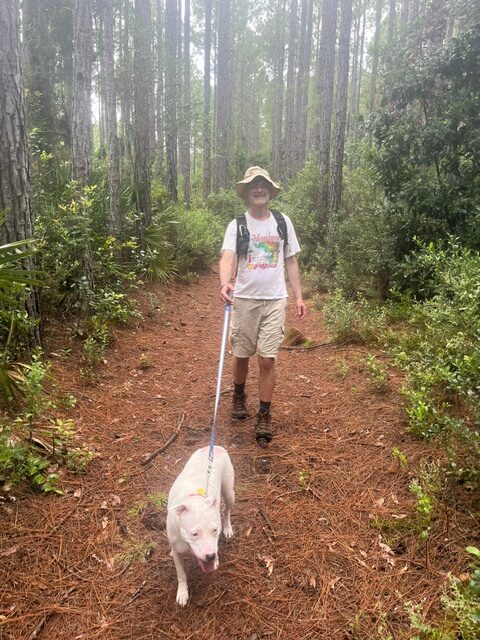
201	492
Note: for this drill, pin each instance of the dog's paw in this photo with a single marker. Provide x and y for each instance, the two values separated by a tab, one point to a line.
182	595
227	531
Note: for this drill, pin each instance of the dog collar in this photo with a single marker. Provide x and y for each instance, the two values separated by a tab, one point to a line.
199	492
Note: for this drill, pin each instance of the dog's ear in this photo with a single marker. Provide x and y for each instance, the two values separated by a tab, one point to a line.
181	509
211	501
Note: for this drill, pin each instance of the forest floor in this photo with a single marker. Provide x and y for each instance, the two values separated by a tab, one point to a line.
306	561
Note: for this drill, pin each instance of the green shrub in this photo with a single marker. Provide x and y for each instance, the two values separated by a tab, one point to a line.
360	241
114	307
225	205
18	463
197	240
440	353
96	342
377	373
353	321
461	609
300	203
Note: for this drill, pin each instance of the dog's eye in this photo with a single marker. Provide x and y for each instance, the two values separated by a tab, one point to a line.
195	535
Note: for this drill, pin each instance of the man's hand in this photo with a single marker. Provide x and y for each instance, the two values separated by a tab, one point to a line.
226	292
301	309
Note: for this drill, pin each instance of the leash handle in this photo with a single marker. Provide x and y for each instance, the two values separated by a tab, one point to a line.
226	323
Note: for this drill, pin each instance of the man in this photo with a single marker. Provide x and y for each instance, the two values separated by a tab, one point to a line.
259	295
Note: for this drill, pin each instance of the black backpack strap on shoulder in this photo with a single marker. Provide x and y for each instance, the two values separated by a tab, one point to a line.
281	226
243	236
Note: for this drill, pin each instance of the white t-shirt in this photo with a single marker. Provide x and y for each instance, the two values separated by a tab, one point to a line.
261	274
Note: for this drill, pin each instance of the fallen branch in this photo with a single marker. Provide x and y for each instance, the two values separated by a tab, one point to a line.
164	447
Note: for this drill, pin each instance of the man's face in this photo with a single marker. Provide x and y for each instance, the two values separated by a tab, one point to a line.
258	192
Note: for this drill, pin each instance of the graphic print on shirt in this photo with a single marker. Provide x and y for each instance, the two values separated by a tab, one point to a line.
263	252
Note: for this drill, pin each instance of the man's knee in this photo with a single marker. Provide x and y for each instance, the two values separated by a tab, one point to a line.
266	364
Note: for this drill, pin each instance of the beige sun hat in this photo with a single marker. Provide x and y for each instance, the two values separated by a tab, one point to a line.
256	172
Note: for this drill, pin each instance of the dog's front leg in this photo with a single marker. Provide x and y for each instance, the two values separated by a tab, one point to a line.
182	590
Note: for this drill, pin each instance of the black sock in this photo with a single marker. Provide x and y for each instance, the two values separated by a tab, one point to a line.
239	388
264	406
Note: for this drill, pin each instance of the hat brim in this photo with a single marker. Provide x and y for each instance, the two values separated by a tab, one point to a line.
243	184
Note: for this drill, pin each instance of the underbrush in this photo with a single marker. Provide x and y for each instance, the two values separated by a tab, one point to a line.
88	277
34	441
436	343
433	336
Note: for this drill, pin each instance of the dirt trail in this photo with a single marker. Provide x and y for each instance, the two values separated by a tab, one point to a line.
305	562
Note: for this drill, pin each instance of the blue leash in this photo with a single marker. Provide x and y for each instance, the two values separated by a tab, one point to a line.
226	322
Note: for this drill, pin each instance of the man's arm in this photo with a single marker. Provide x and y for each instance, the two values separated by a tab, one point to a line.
225	271
293	272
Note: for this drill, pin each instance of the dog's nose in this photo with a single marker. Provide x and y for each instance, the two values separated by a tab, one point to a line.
210	557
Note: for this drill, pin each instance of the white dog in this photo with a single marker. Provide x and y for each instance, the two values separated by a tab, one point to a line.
193	518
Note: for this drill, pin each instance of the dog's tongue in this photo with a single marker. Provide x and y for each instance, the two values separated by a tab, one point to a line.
206	567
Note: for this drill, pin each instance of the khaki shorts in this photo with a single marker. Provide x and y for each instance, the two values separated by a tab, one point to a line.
258	326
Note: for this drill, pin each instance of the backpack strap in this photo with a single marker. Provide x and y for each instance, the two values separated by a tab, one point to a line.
281	226
243	235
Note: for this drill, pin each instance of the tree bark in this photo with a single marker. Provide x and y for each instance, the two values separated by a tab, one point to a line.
39	73
187	109
171	95
391	21
325	91
82	92
159	97
207	92
358	88
304	61
142	114
375	54
353	78
277	110
223	93
341	104
126	85
114	219
15	196
82	138
289	149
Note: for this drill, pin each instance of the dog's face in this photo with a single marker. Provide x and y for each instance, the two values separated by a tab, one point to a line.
200	527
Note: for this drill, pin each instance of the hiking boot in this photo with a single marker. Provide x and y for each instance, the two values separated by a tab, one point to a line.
239	406
263	429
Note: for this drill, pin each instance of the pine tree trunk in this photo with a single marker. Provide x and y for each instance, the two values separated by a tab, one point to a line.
142	114
15	196
289	147
114	219
39	73
277	110
171	95
159	96
375	54
223	94
187	110
341	104
304	61
207	92
358	88
82	92
353	77
325	91
391	21
82	137
405	13
127	93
